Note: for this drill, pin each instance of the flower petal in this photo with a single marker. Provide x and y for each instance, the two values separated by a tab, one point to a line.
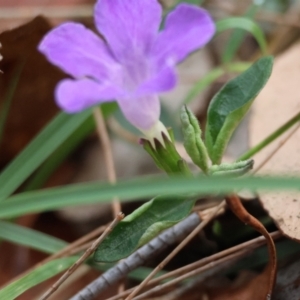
142	112
129	26
164	80
186	29
78	51
73	96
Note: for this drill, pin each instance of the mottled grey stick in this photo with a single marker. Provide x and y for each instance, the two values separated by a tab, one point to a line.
139	257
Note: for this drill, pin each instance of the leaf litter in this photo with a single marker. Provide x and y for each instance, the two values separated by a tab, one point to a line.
277	103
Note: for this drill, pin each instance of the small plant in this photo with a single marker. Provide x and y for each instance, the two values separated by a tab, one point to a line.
132	63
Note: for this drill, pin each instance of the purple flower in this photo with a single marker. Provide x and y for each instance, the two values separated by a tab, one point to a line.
132	63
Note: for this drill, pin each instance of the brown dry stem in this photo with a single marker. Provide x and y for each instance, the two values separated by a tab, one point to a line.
175	251
249	245
107	151
234	203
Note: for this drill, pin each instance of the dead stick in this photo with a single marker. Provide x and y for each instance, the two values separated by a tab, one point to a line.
251	245
138	258
175	251
86	254
107	151
211	268
238	209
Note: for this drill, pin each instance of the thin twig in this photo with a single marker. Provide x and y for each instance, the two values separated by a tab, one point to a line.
86	254
212	267
252	244
81	248
107	151
116	128
139	257
66	251
175	251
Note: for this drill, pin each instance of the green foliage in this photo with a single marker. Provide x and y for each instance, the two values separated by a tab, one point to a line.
245	24
8	99
136	189
166	156
195	2
40	274
192	139
30	238
237	36
143	225
235	169
212	76
45	143
273	136
230	105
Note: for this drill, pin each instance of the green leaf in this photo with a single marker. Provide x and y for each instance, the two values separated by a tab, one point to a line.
47	141
142	225
245	24
39	178
212	76
203	83
31	238
230	105
234	169
40	274
39	149
8	98
195	2
136	189
237	36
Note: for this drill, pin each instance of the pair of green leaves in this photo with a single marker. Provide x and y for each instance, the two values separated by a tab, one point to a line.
225	112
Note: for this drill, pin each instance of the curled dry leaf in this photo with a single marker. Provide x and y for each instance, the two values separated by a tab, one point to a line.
267	278
276	104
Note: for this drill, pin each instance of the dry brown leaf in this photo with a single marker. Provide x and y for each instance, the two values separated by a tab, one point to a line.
277	103
32	105
244	288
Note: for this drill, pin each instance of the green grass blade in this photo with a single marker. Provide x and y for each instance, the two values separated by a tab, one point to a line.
245	24
237	37
46	142
136	189
40	274
203	83
269	139
31	238
40	177
212	76
51	138
8	99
